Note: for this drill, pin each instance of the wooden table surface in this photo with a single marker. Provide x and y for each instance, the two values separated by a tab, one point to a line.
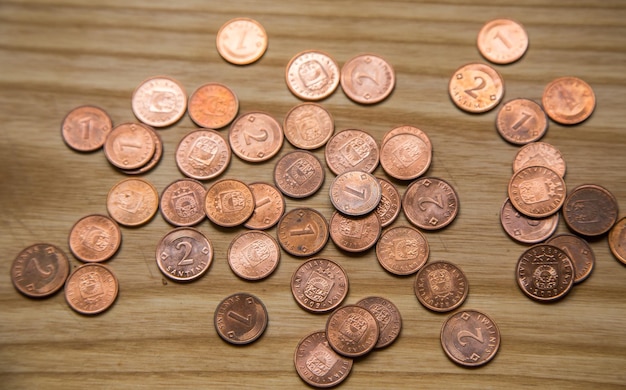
56	55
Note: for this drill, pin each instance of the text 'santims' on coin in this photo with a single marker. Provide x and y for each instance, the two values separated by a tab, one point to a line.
159	101
388	317
253	255
470	338
476	88
390	203
299	174
441	286
590	210
319	285
229	203
312	75
241	41
203	154
352	331
94	238
91	288
40	270
430	203
132	202
182	202
367	78
85	128
318	364
502	41
240	318
545	273
536	191
568	100
351	149
540	154
213	106
402	250
184	254
302	231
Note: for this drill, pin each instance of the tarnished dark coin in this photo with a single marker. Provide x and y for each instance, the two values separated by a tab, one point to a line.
318	364
545	273
184	254
441	286
579	251
302	231
590	210
617	240
352	331
388	317
470	338
298	174
319	285
40	270
182	202
240	318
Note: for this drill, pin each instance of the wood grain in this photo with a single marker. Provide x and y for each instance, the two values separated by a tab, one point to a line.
56	55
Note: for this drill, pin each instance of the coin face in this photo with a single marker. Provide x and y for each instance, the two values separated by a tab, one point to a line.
181	202
590	210
312	75
308	126
350	150
367	78
241	41
85	128
240	318
536	191
430	203
568	100
255	136
388	208
352	331
132	202
318	364
184	254
91	288
354	233
269	206
617	240
229	202
94	238
253	255
526	229
387	316
203	154
319	285
355	193
129	146
441	286
539	154
502	41
302	231
470	338
579	251
520	121
405	156
40	270
545	273
299	174
476	88
213	105
402	250
159	101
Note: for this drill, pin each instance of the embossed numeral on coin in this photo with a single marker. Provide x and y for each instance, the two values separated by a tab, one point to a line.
188	247
44	273
502	39
359	76
308	229
425	199
353	191
85	127
525	117
466	333
247	320
481	84
248	135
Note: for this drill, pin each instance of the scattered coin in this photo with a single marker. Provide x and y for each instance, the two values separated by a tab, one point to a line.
354	233
430	203
85	128
355	192
367	78
91	288
40	270
441	286
255	136
352	331
404	129
617	240
312	75
590	210
318	364
579	251
129	146
299	174
545	273
269	206
405	156
240	318
319	285
537	192
181	202
184	254
476	88
308	126
95	238
132	202
253	255
539	154
470	338
568	100
351	149
520	121
241	41
213	105
388	317
388	208
229	202
525	229
402	250
203	154
502	41
156	157
159	101
302	231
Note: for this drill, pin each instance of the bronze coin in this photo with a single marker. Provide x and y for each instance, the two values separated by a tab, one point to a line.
367	78
269	206
441	286
355	193
156	157
579	251
539	154
470	338
520	121
129	146
590	210
388	317
405	156
308	126
354	234
253	255
240	318
40	270
159	101
312	75
352	331
213	105
318	364
91	288
617	240
298	174
132	202
526	229
302	231
476	88
255	136
94	238
388	208
537	192
404	129
203	154
229	202
184	254
502	41
85	128
319	285
241	41
430	203
545	273
568	100
351	149
402	250
181	202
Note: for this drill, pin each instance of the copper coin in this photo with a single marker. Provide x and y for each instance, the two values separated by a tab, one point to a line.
470	338
430	203
539	154
319	285
351	149
85	128
476	88
308	126
526	229
203	154
95	238
579	251
312	75
132	202
269	206
568	100
241	41
240	318
129	146
159	101
441	286
181	202
520	121
355	192
229	202
299	174
402	250
367	78
617	240
184	254
388	208
405	156
354	234
536	191
91	288
590	210
387	316
253	255
404	129
545	273
40	270
302	231
318	364
213	105
502	41
156	157
255	136
352	331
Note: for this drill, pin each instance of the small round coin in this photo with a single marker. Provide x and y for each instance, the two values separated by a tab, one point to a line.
430	203
579	251
568	100
352	331
241	41
240	318
388	317
536	191
354	234
299	174
203	154
156	157
91	288
590	210
132	202
129	146
476	88
405	156
318	364
402	250
181	202
539	154
85	128
355	192
319	285
269	206
520	121
255	136
502	41
184	254
525	229
470	338
312	75
388	208
229	202
40	270
351	149
159	101
302	231
545	273
308	126
367	78
253	255
213	105
94	238
617	240
441	286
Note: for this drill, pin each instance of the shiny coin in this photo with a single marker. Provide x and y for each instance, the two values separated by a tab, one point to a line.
40	270
132	202
352	331
355	193
312	75
502	41
269	206
476	88
91	288
94	238
441	286
388	208
229	202
430	203
470	338
520	121
539	154
308	126
405	156
351	149
86	128
367	78
526	229
319	285
159	101
129	146
388	317
568	100
184	254
213	106
253	255
255	136
240	318
156	157
203	154
537	192
354	233
241	41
